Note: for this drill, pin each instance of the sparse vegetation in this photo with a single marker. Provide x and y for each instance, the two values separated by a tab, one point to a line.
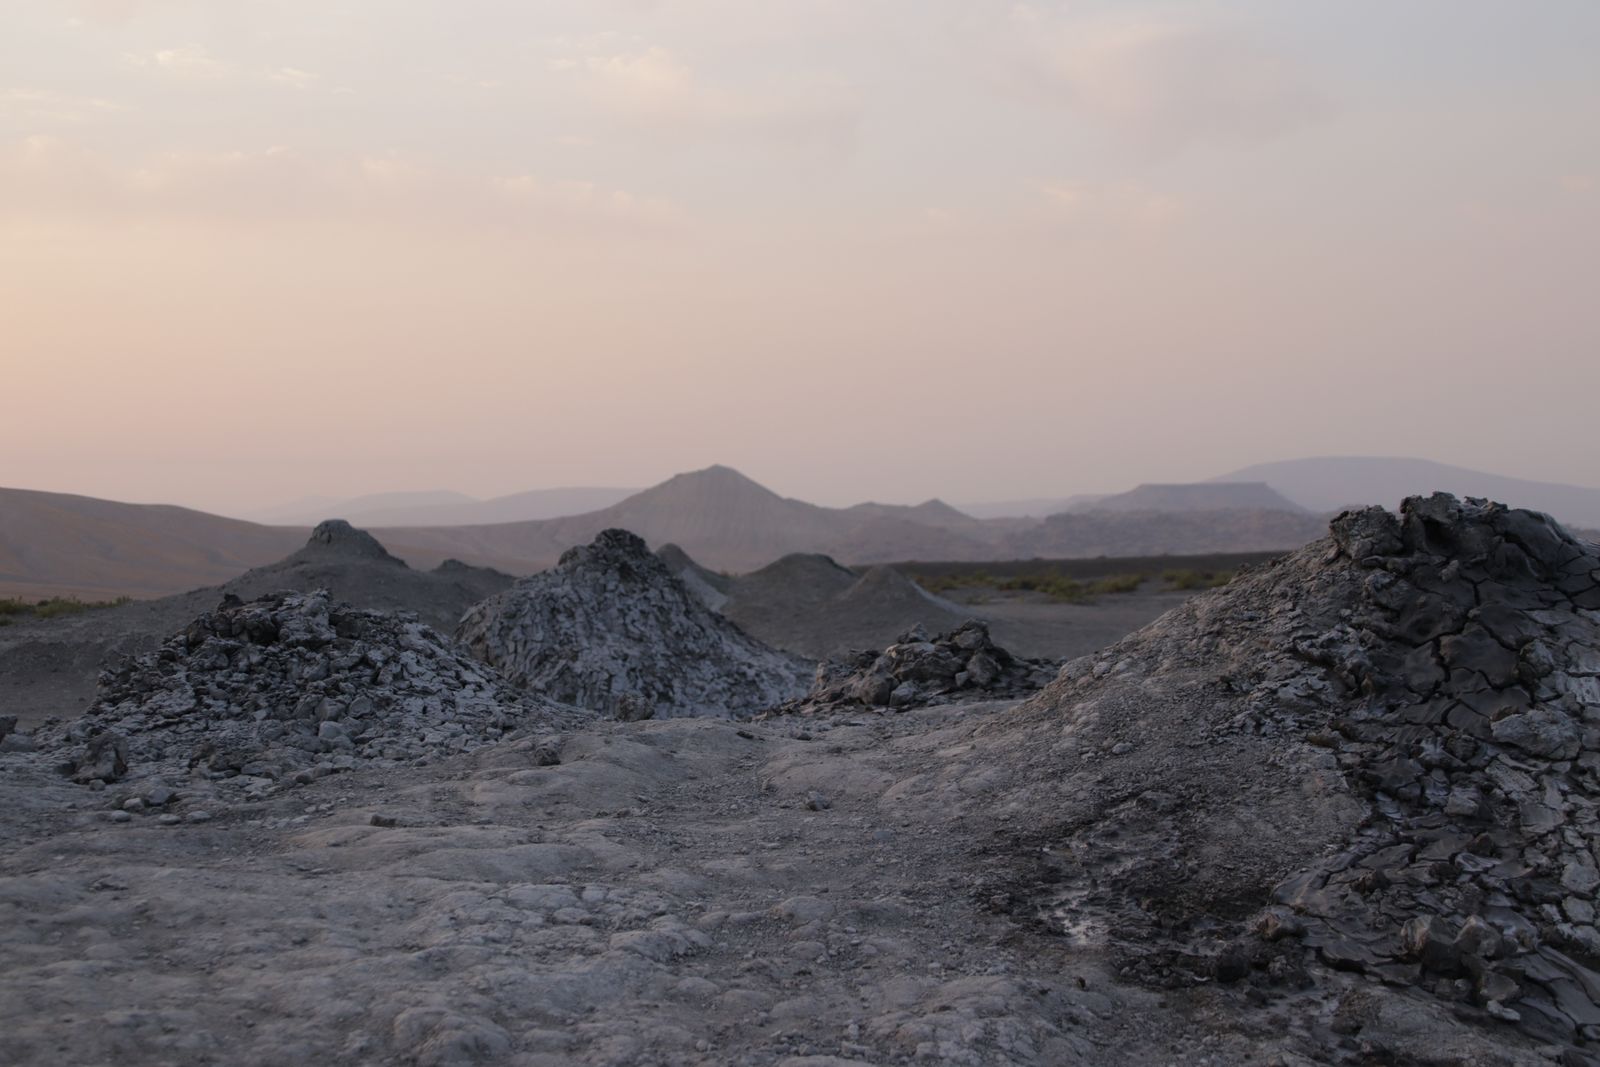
53	607
1078	581
1117	583
1051	583
1191	579
1047	580
944	583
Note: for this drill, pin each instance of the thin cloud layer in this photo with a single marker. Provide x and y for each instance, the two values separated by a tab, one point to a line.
28	109
656	91
1160	85
40	176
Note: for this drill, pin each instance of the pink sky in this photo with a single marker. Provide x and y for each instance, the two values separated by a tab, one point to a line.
887	249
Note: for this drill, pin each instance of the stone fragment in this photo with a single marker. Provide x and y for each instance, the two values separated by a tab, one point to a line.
105	759
1580	876
1478	938
1427	940
1540	732
1474	650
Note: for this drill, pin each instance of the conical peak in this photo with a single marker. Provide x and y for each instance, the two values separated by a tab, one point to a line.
338	537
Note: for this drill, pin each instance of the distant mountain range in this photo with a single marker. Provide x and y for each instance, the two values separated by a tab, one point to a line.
58	544
722	519
1333	483
1033	508
1199	496
443	508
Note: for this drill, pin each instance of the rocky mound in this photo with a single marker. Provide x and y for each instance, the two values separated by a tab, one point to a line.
1380	754
610	628
808	604
48	667
915	671
884	591
357	569
337	538
293	685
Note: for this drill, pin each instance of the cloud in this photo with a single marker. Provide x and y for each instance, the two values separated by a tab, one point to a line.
49	177
654	89
28	109
196	64
188	61
293	77
1119	206
1162	85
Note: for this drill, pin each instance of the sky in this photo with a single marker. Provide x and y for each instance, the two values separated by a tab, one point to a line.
255	250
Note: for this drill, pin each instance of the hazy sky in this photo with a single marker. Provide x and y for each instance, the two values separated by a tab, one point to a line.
257	249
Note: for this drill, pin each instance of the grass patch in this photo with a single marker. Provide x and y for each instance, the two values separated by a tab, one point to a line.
1051	583
1048	581
1055	582
54	607
1191	580
1117	583
944	583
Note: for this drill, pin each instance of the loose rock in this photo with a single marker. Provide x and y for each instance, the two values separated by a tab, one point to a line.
916	671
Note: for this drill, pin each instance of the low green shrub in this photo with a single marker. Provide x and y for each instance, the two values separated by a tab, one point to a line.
1192	580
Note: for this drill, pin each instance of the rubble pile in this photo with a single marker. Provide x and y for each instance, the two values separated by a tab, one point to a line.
292	685
918	670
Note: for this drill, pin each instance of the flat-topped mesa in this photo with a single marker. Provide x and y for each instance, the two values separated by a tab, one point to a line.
612	629
336	537
1391	738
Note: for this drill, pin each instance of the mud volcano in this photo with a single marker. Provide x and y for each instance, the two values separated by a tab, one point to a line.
1380	755
294	685
611	628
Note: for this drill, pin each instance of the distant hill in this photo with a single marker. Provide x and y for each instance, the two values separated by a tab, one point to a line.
1035	508
1198	496
1334	482
1167	533
58	544
809	604
445	508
